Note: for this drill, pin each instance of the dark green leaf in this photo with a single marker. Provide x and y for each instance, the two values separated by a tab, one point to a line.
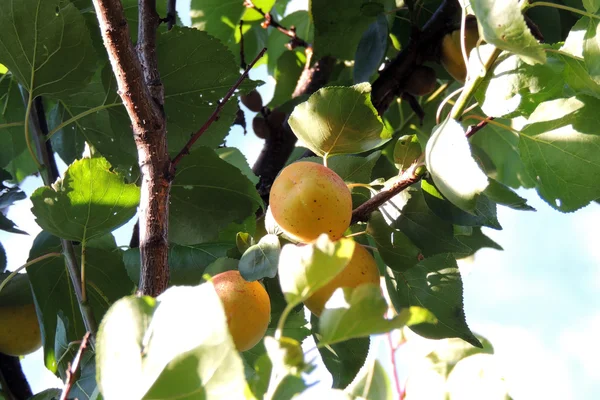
53	292
49	51
68	143
289	387
12	111
484	213
453	169
339	25
289	67
425	229
236	158
207	195
559	148
48	394
477	240
146	349
261	259
395	248
504	195
9	226
339	120
2	259
343	360
195	80
219	18
371	49
435	284
89	201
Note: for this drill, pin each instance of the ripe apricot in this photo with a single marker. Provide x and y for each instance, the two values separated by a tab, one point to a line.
19	330
362	268
247	308
308	199
451	54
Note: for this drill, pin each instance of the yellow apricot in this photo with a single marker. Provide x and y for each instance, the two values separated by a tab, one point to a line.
362	268
451	54
19	330
247	308
308	199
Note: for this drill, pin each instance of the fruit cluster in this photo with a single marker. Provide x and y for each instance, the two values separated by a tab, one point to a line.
309	199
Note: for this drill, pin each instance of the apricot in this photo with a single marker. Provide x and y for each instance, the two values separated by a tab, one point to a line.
361	269
422	81
252	100
19	330
451	54
308	199
247	308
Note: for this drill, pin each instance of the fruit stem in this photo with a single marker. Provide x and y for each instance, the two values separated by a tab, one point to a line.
472	85
16	271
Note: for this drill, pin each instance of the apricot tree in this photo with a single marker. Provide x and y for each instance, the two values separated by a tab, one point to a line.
395	131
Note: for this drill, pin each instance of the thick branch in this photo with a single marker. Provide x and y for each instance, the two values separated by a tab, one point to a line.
421	47
143	106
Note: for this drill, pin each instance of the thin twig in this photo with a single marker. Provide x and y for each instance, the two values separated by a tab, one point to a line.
408	178
73	367
171	14
394	365
215	115
294	42
242	55
473	129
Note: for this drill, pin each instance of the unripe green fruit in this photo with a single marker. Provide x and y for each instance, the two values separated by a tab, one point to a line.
247	308
308	199
252	100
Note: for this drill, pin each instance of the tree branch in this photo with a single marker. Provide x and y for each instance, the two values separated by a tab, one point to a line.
422	46
171	14
13	380
215	115
294	42
409	177
140	89
73	367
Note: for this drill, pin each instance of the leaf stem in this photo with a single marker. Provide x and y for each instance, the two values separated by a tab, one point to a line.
27	264
472	85
79	116
83	286
10	125
281	323
29	102
561	7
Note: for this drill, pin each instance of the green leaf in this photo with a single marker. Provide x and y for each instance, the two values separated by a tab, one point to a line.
88	202
48	394
289	68
68	145
276	43
502	24
339	120
591	6
345	359
207	195
453	169
514	87
261	259
406	151
502	194
449	352
352	169
2	259
305	269
435	284
187	264
53	292
236	158
395	248
46	45
373	384
479	376
12	111
502	147
9	226
411	215
218	18
476	240
559	148
484	213
190	102
146	350
221	264
371	50
339	25
353	313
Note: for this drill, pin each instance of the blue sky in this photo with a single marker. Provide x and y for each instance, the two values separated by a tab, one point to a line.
537	300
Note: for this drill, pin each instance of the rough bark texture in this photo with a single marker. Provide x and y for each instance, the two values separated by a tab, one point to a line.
144	108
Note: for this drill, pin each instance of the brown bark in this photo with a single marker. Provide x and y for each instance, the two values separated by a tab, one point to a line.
141	92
